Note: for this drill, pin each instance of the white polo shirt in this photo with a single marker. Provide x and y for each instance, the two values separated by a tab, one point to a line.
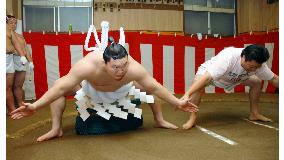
227	72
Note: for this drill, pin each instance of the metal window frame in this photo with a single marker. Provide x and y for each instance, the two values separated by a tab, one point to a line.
58	14
54	13
210	10
24	15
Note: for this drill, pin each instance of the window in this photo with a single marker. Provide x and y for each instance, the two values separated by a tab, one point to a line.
34	18
222	23
209	17
54	15
196	22
79	17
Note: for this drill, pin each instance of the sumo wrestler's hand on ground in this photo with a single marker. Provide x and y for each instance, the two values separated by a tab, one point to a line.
27	109
187	106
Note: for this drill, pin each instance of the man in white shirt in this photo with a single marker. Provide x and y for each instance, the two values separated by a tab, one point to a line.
231	67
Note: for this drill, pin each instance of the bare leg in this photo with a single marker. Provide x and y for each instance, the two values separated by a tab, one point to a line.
9	93
57	108
158	116
18	87
157	112
195	99
254	94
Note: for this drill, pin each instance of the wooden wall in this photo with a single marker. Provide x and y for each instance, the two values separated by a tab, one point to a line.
9	9
257	15
14	7
142	19
252	15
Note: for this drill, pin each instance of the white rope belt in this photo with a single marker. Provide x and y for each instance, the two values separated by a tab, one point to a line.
106	110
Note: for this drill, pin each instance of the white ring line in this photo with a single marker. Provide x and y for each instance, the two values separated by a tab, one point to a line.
264	125
215	135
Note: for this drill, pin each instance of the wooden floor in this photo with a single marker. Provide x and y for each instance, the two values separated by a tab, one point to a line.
222	132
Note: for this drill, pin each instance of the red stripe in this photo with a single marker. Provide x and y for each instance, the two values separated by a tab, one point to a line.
218	49
80	39
64	55
85	52
199	50
179	68
157	56
275	62
199	57
37	41
134	46
239	43
239	88
40	76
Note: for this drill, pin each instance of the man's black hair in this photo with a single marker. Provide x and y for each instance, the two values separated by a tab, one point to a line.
255	52
9	17
114	51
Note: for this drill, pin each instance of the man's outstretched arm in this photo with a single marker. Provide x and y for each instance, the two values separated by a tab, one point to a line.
60	88
275	81
199	84
153	87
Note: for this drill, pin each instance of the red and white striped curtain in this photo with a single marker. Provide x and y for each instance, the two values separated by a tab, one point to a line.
172	60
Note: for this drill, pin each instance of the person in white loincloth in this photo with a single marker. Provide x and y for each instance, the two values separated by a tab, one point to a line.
108	71
20	69
13	46
231	67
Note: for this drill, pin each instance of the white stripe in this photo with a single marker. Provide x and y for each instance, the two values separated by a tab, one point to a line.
246	87
76	53
189	66
264	125
270	48
232	90
168	67
29	85
245	45
224	139
52	64
126	46
209	53
146	57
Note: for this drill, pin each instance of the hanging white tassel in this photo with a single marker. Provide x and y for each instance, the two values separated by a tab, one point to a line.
91	29
97	37
104	37
88	38
121	37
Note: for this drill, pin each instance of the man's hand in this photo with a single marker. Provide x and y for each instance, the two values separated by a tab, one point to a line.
27	109
23	60
187	106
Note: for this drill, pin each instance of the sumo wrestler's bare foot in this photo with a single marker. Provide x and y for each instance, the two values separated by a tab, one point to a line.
165	124
259	117
53	133
189	124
